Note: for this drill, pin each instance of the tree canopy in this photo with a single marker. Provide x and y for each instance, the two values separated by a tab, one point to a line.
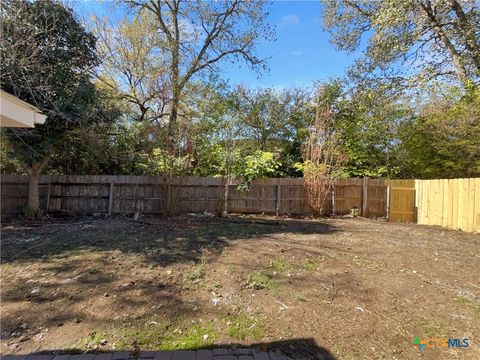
149	101
409	42
46	56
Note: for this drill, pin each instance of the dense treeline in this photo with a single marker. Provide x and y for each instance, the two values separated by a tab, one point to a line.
141	96
439	138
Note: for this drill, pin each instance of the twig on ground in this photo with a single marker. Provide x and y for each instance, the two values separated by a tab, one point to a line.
284	306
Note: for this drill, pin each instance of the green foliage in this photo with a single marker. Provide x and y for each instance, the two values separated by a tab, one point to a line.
85	149
8	163
259	164
444	140
162	162
45	60
367	121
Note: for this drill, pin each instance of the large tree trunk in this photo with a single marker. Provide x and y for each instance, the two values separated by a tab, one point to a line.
33	182
456	57
468	32
224	212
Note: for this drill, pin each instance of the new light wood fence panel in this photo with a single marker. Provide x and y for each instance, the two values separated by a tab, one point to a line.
401	200
452	203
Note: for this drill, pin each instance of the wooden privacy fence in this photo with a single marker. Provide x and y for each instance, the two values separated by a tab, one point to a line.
148	194
451	203
401	200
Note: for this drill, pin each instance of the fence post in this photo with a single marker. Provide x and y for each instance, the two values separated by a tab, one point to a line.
110	199
387	210
333	199
365	196
47	205
277	200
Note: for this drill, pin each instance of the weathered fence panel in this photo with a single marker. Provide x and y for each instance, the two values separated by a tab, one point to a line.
148	194
347	194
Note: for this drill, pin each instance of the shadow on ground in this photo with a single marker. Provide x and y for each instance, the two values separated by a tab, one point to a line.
160	241
302	349
65	275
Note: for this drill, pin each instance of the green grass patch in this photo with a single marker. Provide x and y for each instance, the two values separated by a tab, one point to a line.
300	296
434	329
280	264
196	272
146	337
258	280
244	327
194	337
92	340
473	305
157	337
232	269
312	265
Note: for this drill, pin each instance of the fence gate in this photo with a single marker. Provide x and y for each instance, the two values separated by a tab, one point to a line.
401	200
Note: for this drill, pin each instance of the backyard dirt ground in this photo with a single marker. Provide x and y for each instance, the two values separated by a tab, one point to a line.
362	289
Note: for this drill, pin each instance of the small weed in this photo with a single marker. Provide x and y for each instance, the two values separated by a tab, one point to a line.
365	263
232	269
312	265
243	327
437	329
300	296
197	272
258	280
280	264
92	340
473	305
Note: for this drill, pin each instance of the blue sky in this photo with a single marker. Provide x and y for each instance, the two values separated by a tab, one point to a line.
300	55
302	52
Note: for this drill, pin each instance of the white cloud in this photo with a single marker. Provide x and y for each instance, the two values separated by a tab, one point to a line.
289	20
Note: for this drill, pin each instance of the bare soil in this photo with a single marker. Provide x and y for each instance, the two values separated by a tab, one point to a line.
360	289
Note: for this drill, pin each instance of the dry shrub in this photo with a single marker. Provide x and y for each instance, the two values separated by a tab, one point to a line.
323	160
